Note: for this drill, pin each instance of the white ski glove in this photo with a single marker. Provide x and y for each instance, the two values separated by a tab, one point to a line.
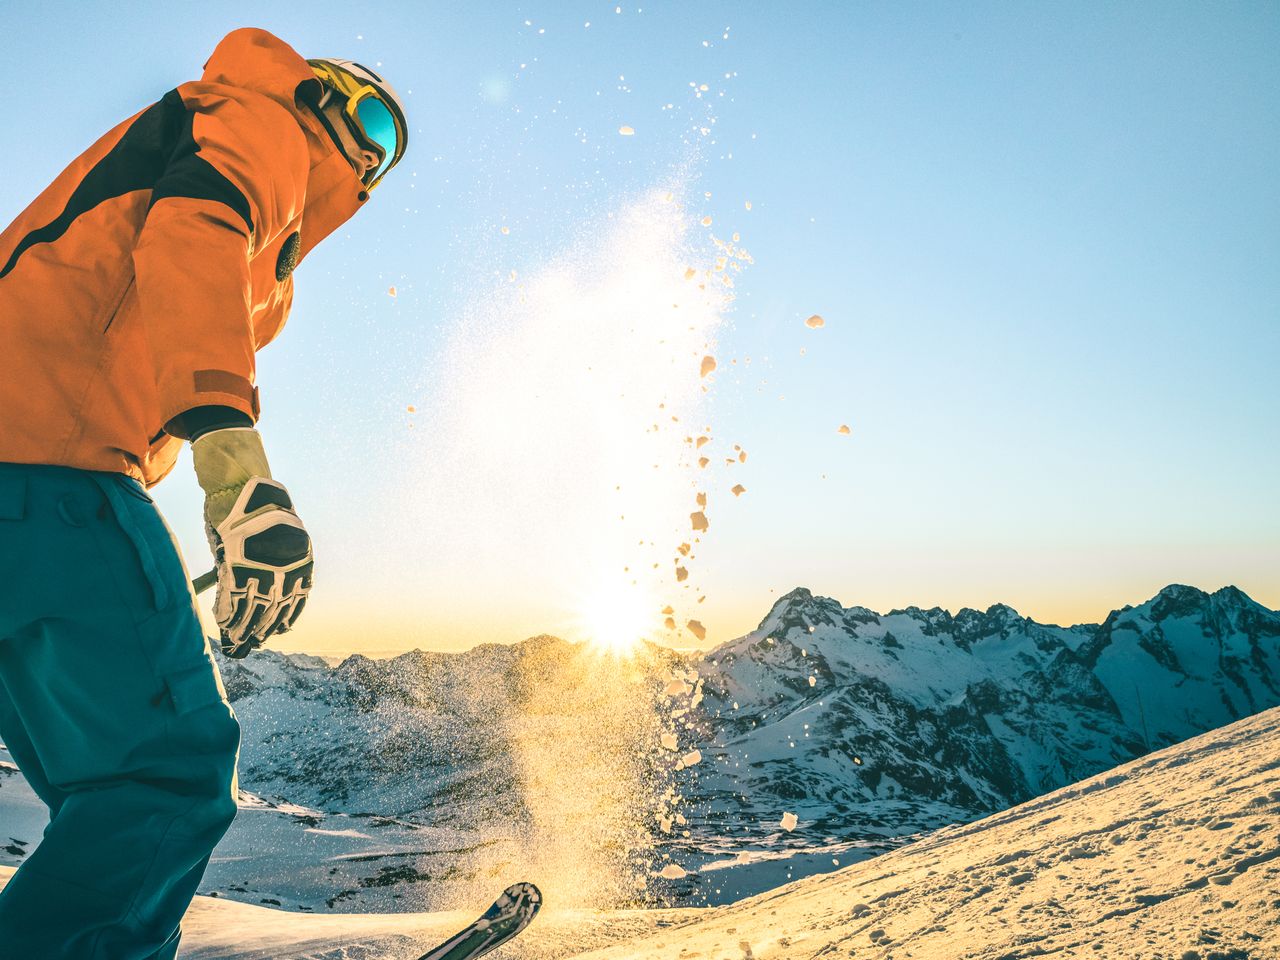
263	553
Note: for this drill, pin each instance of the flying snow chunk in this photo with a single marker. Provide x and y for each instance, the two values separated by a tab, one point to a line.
672	872
391	291
748	204
506	231
691	758
626	131
789	822
706	221
844	429
698	520
676	688
738	490
697	629
669	741
815	322
690	273
708	364
813	681
412	409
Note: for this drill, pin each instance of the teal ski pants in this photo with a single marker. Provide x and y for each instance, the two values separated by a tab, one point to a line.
111	705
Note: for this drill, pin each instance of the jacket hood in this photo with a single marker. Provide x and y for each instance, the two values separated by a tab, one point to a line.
256	60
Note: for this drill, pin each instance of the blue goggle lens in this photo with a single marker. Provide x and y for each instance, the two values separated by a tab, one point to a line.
380	127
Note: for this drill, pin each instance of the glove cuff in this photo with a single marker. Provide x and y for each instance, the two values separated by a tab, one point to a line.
225	460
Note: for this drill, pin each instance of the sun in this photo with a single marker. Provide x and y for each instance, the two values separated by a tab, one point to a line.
616	616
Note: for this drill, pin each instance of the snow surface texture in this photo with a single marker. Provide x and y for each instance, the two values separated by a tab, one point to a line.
427	780
1175	856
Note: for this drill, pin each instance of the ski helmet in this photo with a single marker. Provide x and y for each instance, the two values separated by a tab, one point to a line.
373	111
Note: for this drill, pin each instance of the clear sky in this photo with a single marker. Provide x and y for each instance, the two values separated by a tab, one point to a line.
1045	239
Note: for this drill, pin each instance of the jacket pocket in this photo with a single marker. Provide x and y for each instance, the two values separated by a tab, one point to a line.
116	303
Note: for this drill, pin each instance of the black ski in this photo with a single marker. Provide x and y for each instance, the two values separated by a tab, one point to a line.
510	913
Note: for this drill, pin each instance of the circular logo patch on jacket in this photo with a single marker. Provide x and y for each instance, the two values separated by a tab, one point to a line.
288	258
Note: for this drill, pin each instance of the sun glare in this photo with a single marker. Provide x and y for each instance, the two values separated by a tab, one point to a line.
566	407
616	617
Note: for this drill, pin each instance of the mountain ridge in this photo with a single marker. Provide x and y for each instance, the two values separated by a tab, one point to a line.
915	715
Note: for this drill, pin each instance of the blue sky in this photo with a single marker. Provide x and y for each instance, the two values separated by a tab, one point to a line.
1044	238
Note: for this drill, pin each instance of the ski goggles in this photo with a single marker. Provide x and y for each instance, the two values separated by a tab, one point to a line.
373	120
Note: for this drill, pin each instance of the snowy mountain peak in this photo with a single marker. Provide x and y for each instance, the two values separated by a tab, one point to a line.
1234	596
796	595
933	621
1180	600
996	621
1176	600
800	610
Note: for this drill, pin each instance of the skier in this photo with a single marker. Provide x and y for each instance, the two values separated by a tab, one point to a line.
134	293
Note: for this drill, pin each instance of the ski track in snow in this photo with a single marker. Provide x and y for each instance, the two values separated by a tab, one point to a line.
1175	855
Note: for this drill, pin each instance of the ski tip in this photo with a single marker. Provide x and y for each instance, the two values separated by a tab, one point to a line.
525	895
514	910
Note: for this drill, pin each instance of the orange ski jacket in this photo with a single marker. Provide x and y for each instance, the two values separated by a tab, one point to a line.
141	282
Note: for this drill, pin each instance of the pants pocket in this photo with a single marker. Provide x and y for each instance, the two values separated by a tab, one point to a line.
195	687
139	519
13	496
204	733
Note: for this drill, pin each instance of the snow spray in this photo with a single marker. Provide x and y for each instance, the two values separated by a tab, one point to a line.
566	474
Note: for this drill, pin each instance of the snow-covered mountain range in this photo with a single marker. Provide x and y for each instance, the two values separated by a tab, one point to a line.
909	713
373	776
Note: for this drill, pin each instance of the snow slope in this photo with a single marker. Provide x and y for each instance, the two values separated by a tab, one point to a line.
1175	856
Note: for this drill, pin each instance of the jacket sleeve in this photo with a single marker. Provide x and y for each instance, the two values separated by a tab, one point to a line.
222	190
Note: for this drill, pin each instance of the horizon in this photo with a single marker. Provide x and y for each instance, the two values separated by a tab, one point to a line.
389	653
